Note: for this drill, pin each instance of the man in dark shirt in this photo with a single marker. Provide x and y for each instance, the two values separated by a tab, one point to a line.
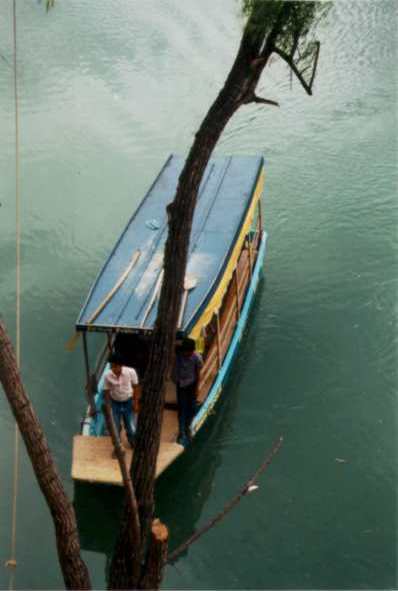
187	370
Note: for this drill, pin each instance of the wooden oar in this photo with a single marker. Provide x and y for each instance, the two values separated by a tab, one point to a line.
155	294
189	284
72	342
115	288
70	345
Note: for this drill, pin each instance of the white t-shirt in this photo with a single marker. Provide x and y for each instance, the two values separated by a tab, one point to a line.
121	388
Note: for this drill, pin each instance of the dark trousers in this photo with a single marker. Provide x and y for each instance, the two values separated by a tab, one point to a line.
186	400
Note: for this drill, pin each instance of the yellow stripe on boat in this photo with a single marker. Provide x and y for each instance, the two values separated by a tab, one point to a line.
216	300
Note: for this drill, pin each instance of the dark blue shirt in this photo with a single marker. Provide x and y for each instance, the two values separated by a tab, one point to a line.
187	369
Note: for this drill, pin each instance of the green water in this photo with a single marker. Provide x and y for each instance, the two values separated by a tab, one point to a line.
107	91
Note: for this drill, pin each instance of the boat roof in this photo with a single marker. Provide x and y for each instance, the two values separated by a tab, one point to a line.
121	295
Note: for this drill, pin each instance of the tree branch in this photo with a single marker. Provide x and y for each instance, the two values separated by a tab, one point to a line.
231	504
128	485
289	60
258	99
317	50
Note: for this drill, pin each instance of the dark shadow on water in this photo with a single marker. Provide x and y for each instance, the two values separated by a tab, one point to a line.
98	510
182	490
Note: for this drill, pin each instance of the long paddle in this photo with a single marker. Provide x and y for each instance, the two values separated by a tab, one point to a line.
189	284
71	344
153	298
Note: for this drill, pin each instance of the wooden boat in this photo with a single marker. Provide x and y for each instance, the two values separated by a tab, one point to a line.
226	253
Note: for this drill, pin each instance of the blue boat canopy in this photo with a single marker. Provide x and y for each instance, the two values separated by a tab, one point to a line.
123	295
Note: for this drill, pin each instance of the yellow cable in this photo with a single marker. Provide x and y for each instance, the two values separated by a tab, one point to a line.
12	562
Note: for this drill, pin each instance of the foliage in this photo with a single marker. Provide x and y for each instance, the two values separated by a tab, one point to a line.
302	18
295	40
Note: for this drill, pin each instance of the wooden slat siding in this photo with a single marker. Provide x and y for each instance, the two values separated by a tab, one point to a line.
208	372
244	280
219	359
237	296
207	384
209	363
228	323
228	317
249	252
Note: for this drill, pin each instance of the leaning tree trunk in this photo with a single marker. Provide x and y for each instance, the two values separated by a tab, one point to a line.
73	568
239	89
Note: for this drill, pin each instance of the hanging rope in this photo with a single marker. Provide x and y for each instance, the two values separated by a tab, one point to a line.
12	562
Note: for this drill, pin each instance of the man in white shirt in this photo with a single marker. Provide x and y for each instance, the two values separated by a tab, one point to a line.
119	385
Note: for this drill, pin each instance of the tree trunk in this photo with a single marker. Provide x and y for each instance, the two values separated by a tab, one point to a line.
156	557
73	568
232	96
238	90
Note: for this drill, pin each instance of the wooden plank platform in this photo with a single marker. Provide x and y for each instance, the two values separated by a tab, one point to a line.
92	459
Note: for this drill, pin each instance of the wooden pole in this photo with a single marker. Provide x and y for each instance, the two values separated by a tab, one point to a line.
115	288
120	454
89	385
110	340
155	294
135	526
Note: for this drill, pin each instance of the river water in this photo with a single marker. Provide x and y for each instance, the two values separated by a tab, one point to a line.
107	91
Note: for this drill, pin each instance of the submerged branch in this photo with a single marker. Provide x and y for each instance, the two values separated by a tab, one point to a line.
231	504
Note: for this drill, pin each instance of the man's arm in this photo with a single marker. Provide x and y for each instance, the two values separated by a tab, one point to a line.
133	378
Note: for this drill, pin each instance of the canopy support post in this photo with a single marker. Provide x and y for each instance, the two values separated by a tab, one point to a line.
89	386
